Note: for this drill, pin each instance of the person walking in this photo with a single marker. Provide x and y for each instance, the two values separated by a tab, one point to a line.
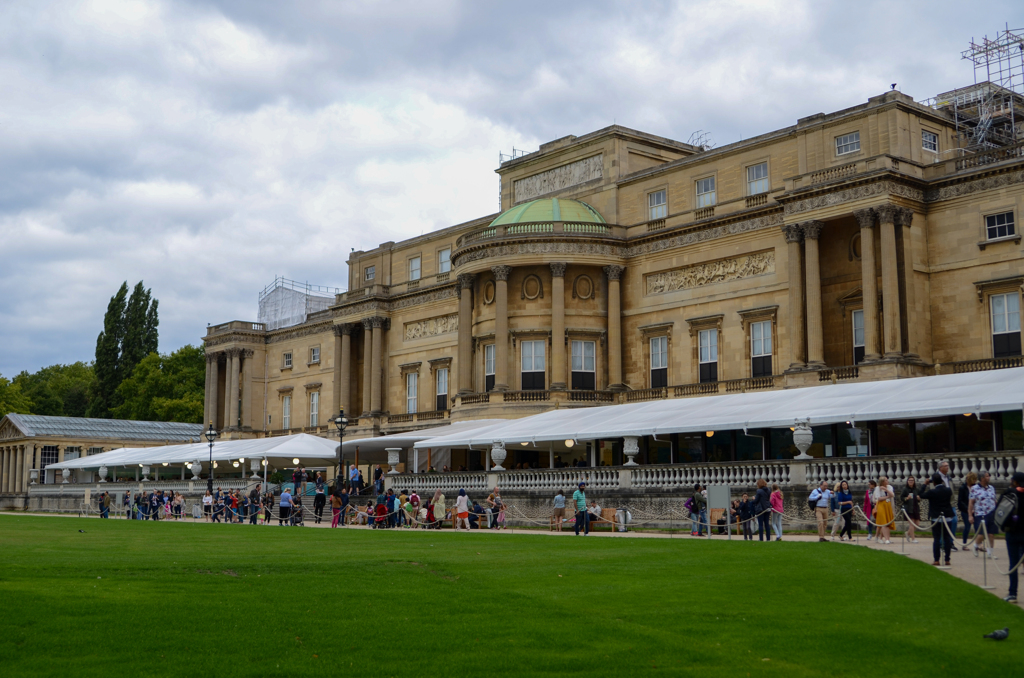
559	511
940	510
837	515
869	507
579	498
353	479
286	507
910	498
763	510
844	498
268	506
777	510
884	515
462	511
962	505
126	504
336	508
698	512
1014	529
820	497
105	505
982	506
745	513
255	499
319	501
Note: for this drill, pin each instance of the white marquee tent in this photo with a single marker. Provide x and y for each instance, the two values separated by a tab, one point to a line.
917	398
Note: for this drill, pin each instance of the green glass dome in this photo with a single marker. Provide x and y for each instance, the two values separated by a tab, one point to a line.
549	209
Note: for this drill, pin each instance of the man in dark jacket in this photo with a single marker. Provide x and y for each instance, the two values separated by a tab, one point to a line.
254	503
940	510
1014	529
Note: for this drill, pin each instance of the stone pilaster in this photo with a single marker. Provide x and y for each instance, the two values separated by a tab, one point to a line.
892	338
5	462
234	368
377	325
815	341
869	282
558	362
501	341
213	367
794	235
912	323
245	387
466	282
343	367
614	275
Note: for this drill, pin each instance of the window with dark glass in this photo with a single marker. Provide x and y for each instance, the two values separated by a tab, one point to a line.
708	355
489	368
858	337
533	365
761	348
1005	324
659	362
999	225
583	365
442	389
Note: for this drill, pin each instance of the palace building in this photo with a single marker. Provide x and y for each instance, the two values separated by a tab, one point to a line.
873	243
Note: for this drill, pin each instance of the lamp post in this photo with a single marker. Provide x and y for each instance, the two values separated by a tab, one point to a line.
341	422
211	435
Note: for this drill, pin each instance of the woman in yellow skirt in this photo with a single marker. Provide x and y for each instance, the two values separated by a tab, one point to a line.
884	516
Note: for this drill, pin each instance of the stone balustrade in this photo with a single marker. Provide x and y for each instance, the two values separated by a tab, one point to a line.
687	475
857	470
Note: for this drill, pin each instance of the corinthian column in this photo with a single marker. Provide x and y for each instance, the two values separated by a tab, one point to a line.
377	374
794	234
904	218
501	327
815	342
614	274
869	282
558	380
5	473
466	332
19	478
367	365
208	394
892	339
235	355
343	366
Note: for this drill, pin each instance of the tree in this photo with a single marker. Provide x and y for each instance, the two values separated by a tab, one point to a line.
129	335
58	390
12	399
165	388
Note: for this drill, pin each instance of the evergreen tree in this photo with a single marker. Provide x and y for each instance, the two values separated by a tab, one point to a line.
136	343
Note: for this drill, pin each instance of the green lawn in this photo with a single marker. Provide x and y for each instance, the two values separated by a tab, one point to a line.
175	600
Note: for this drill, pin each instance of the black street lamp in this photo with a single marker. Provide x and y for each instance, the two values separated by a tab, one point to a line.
342	423
211	435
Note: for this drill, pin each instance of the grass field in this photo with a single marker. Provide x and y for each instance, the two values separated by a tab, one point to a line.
139	599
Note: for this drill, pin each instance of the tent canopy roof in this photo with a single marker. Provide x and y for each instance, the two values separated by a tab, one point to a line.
302	446
917	398
406	440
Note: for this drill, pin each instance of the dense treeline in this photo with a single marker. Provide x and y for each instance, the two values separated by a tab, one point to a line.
128	380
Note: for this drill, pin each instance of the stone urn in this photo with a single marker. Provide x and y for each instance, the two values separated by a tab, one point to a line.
254	466
33	475
196	469
103	474
802	438
630	448
498	455
66	473
145	474
393	459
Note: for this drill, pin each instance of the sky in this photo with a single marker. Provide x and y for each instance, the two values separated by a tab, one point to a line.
207	147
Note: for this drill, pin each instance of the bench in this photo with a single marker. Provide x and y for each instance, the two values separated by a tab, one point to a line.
608	517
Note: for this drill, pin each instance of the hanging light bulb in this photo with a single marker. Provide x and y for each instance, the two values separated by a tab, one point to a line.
709	434
241	460
295	461
235	464
264	462
524	444
165	463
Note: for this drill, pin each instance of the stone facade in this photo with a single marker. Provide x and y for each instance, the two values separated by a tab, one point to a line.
888	233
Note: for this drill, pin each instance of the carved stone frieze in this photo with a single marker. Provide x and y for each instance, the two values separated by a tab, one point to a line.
976	186
430	327
709	273
854	193
299	332
703	235
552	180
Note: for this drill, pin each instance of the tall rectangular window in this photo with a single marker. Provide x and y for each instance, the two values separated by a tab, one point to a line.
757	179
583	365
533	365
705	192
288	360
48	455
286	412
858	337
659	362
929	141
314	408
1005	324
442	389
444	260
848	143
761	349
314	355
369	273
657	205
708	350
412	381
999	225
489	367
414	268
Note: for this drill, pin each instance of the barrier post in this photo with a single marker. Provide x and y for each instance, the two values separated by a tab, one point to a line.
984	557
945	526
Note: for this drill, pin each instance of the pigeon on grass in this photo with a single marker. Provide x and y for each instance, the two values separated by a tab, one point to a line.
1001	634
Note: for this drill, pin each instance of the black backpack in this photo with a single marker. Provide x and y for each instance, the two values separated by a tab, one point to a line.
1008	511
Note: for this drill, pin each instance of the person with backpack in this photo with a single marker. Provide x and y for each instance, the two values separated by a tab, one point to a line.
698	511
982	506
579	497
940	511
1010	519
819	502
763	509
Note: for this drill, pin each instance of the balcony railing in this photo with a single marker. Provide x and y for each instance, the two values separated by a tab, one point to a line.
980	365
839	373
569	228
833	173
992	156
757	200
897	469
244	325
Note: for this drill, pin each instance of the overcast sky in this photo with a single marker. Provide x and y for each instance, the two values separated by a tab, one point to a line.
205	147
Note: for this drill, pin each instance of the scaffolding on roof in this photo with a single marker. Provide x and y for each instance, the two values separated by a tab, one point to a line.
990	113
285	303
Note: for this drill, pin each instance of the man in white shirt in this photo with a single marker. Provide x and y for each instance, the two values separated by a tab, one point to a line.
821	497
